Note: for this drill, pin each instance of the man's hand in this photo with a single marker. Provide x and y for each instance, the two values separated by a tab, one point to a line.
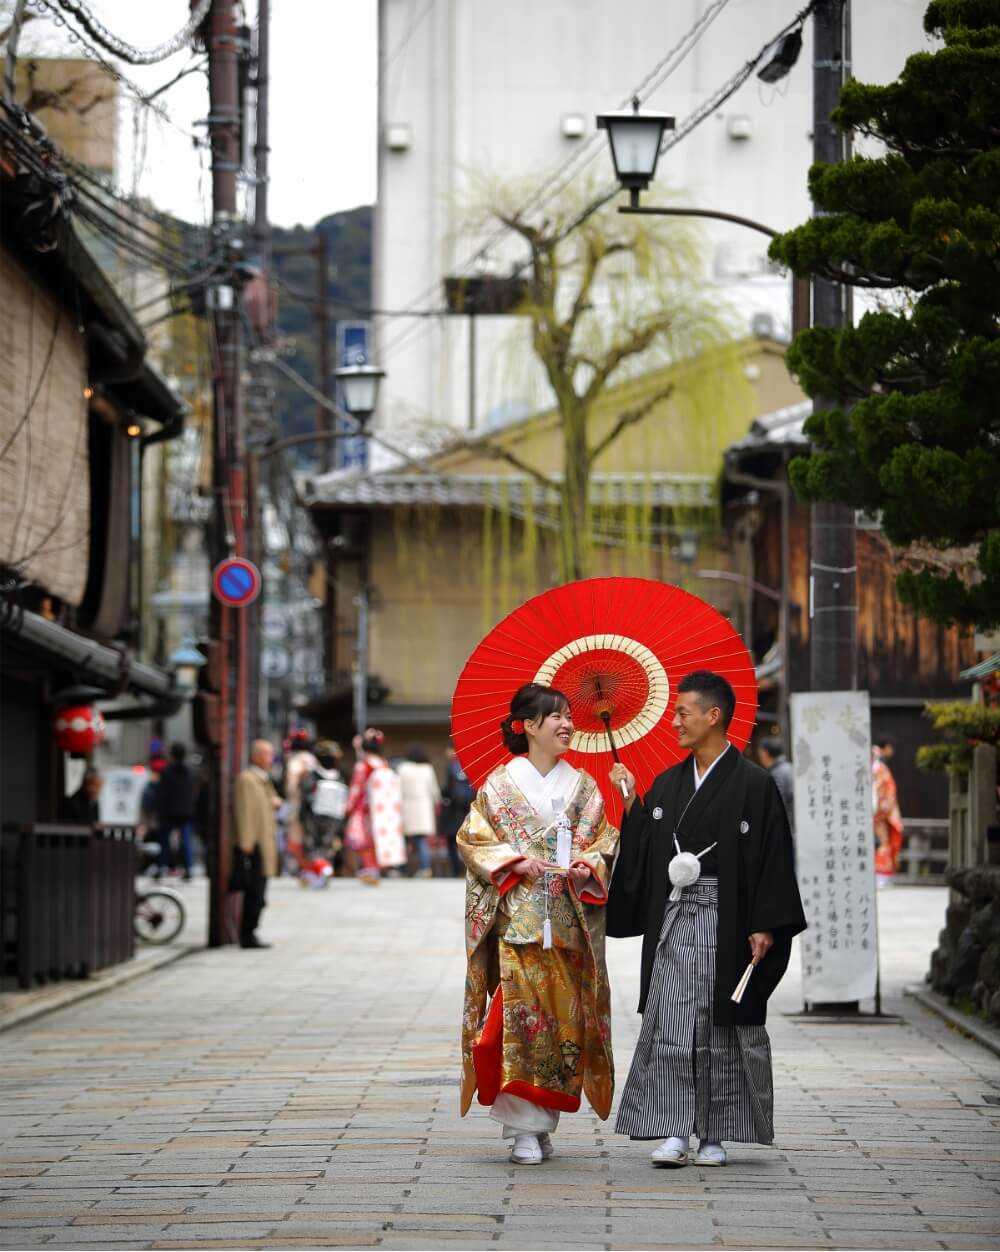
620	774
761	942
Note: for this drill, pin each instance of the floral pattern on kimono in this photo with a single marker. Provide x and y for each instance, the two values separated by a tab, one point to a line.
386	807
571	977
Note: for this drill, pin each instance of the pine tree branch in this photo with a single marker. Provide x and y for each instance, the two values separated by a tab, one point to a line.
627	419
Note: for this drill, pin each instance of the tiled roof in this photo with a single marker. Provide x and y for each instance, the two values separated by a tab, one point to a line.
777	429
472	490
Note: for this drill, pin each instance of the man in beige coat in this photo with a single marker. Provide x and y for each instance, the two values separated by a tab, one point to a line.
255	802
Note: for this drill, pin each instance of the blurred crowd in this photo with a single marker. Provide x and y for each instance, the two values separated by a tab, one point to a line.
388	816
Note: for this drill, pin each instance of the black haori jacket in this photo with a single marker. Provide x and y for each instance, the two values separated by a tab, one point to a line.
757	885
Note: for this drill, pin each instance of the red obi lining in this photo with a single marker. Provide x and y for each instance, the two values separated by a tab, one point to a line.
487	1060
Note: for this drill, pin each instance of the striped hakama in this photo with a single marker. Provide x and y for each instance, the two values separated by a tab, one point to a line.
688	1074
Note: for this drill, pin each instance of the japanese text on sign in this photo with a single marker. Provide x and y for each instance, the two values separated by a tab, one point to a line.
831	752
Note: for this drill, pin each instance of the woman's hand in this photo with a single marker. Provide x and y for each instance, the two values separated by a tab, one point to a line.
530	867
579	874
761	942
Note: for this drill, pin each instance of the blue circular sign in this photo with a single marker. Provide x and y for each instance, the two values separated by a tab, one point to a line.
236	582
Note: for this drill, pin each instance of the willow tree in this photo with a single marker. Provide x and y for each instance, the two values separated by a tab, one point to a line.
609	297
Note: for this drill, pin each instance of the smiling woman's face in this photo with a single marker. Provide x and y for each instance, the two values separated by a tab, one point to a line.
552	733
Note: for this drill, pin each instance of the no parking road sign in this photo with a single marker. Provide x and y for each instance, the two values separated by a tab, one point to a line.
236	582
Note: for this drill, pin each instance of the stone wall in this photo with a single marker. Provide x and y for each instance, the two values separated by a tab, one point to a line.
966	963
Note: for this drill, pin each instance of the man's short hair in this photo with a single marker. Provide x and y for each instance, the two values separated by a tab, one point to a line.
773	746
885	741
714	691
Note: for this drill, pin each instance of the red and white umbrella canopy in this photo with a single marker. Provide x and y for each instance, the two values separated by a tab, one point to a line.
613	645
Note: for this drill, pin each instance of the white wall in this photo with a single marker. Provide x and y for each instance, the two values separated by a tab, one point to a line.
484	86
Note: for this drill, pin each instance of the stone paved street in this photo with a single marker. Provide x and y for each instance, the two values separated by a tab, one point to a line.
306	1096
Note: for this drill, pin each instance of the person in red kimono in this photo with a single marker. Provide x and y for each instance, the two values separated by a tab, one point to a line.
374	817
888	820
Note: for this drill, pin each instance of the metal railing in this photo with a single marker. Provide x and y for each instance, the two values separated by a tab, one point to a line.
68	900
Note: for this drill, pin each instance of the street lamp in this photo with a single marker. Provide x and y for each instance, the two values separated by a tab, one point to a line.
187	661
635	148
635	140
359	385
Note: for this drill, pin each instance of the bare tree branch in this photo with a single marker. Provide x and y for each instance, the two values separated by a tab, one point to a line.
504	454
638	341
627	419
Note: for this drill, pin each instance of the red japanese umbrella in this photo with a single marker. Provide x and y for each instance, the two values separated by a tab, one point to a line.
617	648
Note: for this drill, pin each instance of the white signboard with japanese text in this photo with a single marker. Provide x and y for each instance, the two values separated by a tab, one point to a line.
834	843
120	801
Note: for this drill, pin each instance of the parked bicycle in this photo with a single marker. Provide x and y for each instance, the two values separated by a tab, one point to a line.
160	912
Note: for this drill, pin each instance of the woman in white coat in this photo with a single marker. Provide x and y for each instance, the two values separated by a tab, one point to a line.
421	797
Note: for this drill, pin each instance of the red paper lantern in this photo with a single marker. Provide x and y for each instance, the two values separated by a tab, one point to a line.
79	729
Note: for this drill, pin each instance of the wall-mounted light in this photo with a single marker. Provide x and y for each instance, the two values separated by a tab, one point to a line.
739	126
398	136
133	430
574	125
88	393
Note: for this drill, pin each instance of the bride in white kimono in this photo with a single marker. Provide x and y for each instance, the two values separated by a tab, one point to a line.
537	1022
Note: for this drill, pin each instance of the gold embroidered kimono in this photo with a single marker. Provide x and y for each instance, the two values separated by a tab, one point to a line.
547	1035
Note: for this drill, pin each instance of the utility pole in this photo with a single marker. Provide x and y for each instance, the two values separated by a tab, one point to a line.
322	328
833	568
228	536
262	249
833	613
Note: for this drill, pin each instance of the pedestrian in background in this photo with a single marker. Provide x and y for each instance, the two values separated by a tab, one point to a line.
374	811
457	794
420	796
323	801
175	800
771	754
255	856
81	808
149	810
301	761
888	819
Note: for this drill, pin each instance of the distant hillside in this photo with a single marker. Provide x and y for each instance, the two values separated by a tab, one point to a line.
348	241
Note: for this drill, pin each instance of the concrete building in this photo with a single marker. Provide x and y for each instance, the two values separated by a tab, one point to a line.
473	92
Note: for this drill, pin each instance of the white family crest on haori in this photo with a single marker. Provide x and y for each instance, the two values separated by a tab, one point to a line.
657	813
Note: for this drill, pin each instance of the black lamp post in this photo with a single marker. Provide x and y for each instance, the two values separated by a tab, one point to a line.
635	140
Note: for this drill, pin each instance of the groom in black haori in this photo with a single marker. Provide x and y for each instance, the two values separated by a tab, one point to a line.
705	873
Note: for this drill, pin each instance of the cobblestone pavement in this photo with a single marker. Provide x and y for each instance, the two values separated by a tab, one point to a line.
306	1096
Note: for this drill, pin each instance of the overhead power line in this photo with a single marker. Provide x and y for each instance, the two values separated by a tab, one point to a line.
144	98
584	155
690	123
110	42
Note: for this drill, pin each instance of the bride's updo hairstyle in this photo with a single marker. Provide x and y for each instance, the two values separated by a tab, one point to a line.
530	703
